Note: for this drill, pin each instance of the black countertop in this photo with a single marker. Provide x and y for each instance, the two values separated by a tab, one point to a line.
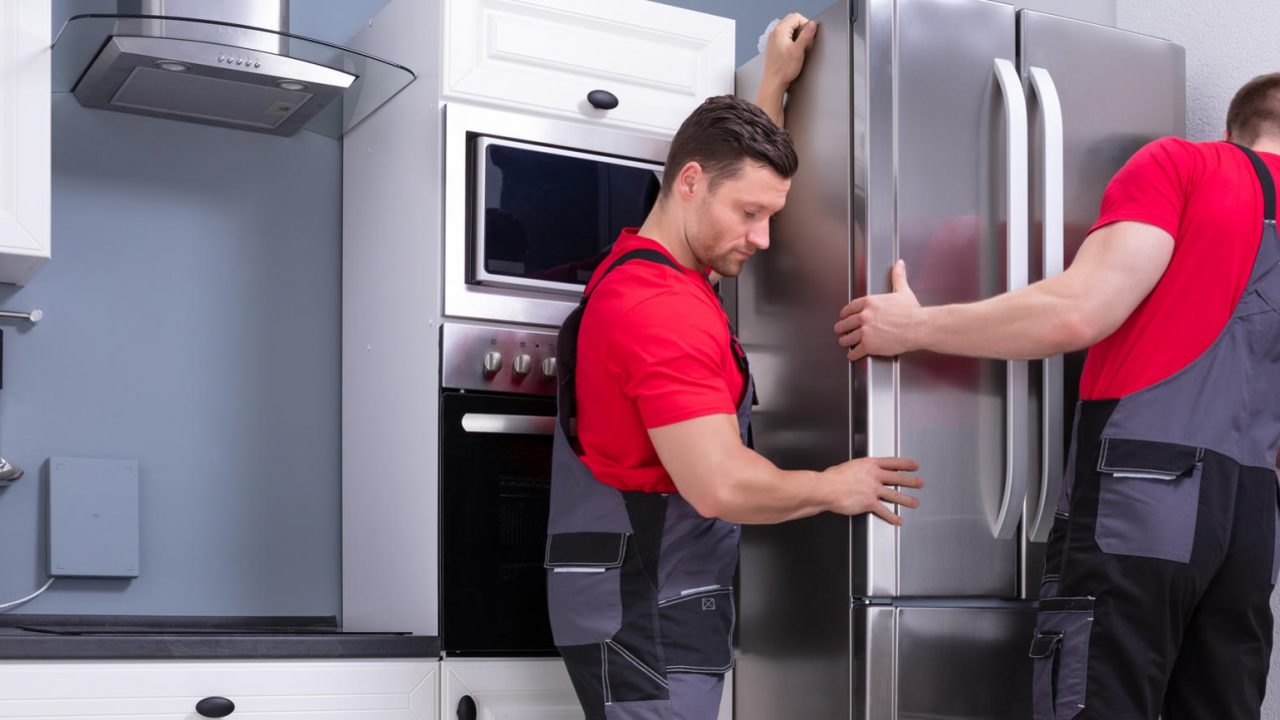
136	637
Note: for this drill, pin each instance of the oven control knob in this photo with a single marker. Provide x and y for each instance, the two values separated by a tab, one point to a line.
492	363
549	367
521	365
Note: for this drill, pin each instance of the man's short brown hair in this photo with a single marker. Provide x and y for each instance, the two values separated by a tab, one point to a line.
720	134
1255	110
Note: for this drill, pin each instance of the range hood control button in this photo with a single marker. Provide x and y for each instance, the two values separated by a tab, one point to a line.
492	363
521	365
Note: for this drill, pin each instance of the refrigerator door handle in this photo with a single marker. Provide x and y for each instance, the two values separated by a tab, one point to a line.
1004	521
1051	185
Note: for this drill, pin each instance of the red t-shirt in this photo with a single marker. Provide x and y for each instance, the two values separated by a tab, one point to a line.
1207	196
653	350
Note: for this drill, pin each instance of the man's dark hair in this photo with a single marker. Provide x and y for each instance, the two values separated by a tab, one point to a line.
723	132
1255	110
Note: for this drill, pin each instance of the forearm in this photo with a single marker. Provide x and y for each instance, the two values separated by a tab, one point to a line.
770	98
755	491
1031	323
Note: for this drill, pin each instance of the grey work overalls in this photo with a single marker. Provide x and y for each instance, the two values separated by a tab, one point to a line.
1163	555
639	585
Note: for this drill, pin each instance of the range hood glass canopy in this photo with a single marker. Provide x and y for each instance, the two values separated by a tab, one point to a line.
220	73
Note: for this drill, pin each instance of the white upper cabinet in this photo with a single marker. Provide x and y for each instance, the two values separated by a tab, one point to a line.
24	138
658	61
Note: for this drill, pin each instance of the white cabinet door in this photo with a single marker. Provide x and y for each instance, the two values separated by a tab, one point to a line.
659	61
24	138
272	690
511	689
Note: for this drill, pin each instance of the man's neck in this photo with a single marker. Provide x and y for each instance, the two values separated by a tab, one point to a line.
665	229
1266	145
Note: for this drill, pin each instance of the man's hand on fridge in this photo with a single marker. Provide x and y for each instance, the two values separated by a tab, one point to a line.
883	325
784	54
868	485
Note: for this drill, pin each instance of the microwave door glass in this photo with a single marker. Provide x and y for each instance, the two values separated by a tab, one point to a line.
550	217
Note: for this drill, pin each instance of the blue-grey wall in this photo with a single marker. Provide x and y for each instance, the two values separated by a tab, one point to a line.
192	323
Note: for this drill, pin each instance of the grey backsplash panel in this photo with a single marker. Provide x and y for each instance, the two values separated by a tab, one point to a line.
192	322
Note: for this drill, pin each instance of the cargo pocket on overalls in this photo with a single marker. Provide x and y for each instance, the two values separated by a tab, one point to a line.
1060	656
1148	496
697	630
584	586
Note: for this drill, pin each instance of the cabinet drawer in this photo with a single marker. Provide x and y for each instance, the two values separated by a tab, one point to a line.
519	689
285	690
659	61
509	689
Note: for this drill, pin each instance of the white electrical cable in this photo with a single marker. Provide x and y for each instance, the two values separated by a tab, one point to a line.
27	599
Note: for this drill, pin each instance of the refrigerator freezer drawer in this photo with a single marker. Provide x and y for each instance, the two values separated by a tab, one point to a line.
942	663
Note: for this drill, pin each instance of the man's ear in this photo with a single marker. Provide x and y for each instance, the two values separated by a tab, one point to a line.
687	181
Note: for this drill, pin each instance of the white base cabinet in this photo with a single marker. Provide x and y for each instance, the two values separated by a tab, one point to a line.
508	689
518	689
269	690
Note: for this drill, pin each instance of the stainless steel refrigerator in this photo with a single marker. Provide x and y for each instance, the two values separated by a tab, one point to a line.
974	141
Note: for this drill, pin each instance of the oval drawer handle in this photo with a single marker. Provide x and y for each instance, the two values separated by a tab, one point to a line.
602	99
215	707
466	708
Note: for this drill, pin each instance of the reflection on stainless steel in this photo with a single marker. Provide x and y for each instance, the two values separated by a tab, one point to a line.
508	424
961	663
910	148
464	298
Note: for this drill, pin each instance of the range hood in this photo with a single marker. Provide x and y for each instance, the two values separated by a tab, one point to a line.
230	63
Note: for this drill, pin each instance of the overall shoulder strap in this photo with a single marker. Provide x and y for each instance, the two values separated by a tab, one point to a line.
567	341
1268	183
646	254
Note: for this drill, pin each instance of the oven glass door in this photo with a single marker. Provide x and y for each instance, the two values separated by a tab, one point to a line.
495	485
546	217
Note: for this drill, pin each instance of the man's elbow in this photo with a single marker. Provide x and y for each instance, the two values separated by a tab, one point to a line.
1077	329
710	502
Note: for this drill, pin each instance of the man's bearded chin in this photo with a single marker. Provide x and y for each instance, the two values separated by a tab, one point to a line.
727	265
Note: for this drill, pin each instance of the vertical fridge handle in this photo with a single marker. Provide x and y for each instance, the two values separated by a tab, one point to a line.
1004	524
1051	465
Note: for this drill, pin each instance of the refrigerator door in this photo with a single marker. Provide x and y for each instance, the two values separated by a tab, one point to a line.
942	663
941	201
793	610
1101	94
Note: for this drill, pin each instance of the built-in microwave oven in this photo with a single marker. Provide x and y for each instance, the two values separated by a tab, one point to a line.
532	205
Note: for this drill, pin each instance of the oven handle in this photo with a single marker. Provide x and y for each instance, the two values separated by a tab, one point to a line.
509	424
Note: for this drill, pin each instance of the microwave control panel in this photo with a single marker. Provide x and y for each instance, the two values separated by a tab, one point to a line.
475	357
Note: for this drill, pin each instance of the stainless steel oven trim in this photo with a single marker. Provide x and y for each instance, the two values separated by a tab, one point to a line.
484	277
465	299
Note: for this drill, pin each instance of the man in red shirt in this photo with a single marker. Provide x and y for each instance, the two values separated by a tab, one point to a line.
1163	556
646	499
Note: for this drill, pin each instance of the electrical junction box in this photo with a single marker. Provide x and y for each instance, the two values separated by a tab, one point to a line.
93	518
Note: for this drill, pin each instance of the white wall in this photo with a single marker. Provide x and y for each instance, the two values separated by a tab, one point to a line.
1226	46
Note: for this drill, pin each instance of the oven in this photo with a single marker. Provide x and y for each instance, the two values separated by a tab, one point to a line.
497	415
532	205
